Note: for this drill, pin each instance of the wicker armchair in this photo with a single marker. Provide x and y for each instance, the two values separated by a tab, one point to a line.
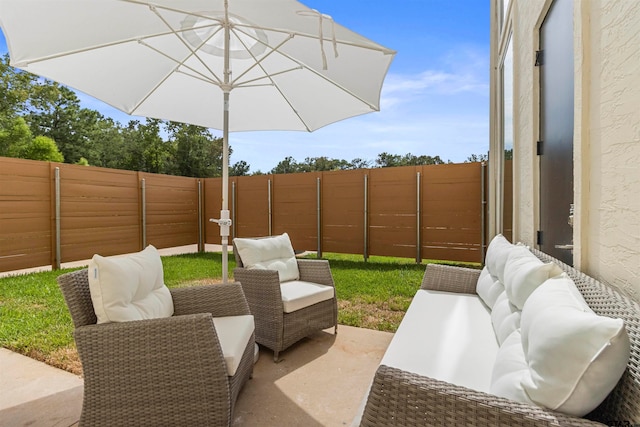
276	329
167	371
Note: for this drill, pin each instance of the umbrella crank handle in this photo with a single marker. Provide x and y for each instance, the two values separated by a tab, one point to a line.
225	225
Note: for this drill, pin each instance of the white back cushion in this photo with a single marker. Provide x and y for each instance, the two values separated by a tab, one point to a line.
488	287
497	254
523	273
505	317
575	357
510	369
271	253
129	287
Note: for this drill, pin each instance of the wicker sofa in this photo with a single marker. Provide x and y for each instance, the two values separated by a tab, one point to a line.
401	396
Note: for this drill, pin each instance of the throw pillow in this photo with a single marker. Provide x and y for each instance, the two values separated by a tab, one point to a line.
523	273
131	287
271	253
488	287
505	318
575	357
497	254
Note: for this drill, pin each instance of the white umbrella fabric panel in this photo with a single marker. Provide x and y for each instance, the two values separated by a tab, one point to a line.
165	60
284	67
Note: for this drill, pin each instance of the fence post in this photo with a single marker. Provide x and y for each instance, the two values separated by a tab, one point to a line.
143	205
418	230
483	207
319	216
58	259
365	251
269	204
233	210
200	215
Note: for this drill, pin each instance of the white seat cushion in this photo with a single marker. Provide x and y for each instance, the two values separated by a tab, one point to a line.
271	253
298	294
234	333
130	287
446	336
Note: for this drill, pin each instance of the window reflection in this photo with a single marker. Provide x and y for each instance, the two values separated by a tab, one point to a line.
507	139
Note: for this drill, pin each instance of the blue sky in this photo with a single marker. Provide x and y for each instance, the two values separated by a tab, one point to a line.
435	99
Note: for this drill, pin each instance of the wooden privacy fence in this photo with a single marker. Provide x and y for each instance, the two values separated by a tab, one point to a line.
52	212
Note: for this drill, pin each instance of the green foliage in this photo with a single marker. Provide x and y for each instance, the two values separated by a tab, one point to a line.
14	136
316	164
240	168
42	148
477	158
386	160
197	153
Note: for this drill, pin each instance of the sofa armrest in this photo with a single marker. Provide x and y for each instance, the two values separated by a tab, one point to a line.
438	277
400	398
315	271
130	366
219	300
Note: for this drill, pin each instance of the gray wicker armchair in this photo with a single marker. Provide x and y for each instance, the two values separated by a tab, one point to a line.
276	329
167	371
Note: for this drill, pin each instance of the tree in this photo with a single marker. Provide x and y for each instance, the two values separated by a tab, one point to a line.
477	158
390	160
197	152
42	148
240	168
14	136
15	88
359	163
144	149
288	165
54	111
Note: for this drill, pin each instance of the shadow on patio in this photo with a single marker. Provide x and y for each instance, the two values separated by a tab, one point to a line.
320	381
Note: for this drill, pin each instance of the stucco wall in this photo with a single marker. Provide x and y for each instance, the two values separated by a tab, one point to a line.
606	139
612	234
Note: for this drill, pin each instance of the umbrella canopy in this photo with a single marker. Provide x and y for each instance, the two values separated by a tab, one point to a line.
233	65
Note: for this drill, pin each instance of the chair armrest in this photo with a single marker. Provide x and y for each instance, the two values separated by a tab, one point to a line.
448	278
262	290
219	300
315	271
398	397
132	365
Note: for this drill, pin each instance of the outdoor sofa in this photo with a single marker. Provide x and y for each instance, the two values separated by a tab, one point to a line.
445	364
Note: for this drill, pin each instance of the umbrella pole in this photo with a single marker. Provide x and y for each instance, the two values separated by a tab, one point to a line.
225	221
224	212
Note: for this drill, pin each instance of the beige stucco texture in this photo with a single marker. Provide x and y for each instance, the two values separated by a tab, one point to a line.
606	134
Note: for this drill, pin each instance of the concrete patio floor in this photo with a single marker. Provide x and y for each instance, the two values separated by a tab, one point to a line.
320	381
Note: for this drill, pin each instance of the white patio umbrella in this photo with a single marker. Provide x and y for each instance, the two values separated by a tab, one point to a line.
233	65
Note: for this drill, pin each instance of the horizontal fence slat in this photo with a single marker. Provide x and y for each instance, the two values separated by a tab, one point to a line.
101	211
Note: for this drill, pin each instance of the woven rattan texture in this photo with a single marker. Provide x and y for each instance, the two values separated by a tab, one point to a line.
276	329
399	398
168	371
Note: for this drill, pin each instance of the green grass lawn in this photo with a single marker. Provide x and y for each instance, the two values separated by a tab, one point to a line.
34	319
